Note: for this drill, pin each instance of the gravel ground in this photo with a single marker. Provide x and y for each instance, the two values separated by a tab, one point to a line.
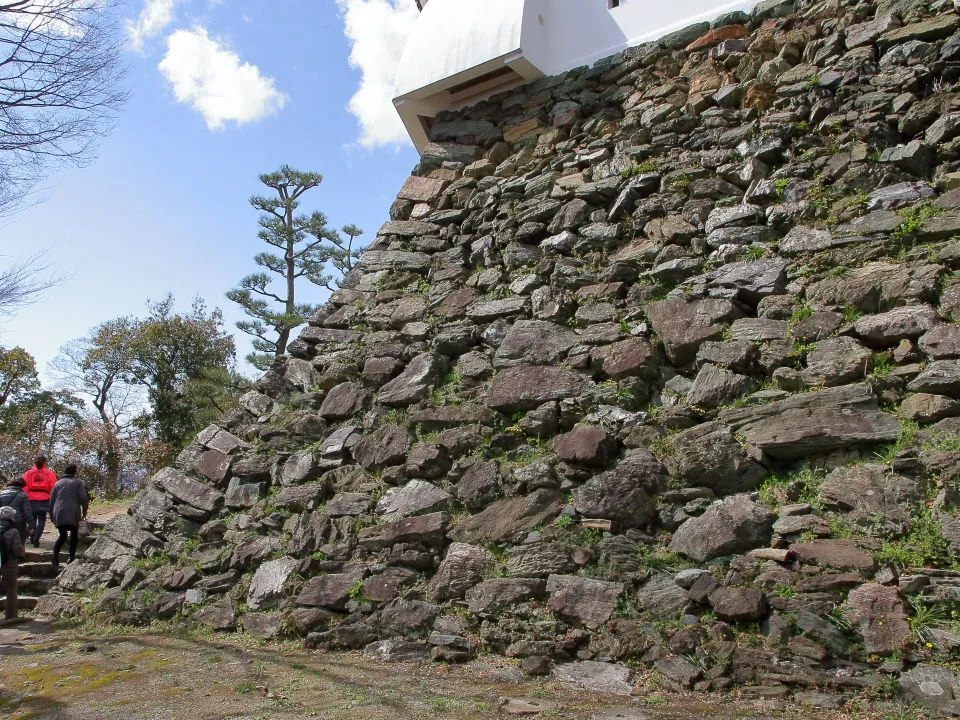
88	673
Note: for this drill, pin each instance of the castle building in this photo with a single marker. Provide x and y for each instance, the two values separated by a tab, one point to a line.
463	51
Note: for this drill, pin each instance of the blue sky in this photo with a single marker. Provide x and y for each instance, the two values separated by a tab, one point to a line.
221	90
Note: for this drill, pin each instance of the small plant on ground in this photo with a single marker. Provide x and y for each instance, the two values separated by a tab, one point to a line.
889	688
682	182
913	219
851	314
822	196
660	558
922	545
800	314
881	365
639	168
356	592
802	486
781	185
785	591
907	439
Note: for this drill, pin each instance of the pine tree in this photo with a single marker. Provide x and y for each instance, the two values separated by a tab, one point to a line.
308	248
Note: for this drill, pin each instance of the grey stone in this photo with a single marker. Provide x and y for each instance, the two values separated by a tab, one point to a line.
494	595
708	455
734	525
867	33
624	494
684	325
539	559
889	328
408	616
586	445
348	504
428	530
925	408
933	685
804	239
748	281
343	401
596	677
716	386
534	342
916	157
188	490
733	604
660	595
941	377
894	197
489	310
330	591
299	468
269	583
878	615
505	519
221	615
385	447
244	495
836	361
415	498
398	650
415	383
527	387
941	343
479	485
592	602
463	567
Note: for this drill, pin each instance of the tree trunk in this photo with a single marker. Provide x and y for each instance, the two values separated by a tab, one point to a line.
291	276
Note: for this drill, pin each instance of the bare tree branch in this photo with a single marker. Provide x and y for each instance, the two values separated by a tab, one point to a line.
24	282
61	86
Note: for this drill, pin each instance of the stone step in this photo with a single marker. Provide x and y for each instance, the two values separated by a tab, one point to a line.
35	555
41	569
27	602
34	586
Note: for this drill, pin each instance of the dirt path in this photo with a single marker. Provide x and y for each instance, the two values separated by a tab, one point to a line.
72	675
108	511
99	514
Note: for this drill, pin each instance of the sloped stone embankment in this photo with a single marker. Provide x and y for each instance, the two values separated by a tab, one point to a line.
657	361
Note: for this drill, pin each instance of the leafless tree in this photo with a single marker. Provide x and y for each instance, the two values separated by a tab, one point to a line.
24	282
61	85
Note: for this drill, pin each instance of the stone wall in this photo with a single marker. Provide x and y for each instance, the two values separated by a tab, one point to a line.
657	361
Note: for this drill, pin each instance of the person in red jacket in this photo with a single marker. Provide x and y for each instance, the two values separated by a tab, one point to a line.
39	481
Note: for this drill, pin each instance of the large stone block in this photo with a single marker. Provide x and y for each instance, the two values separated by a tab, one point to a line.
735	525
187	490
528	387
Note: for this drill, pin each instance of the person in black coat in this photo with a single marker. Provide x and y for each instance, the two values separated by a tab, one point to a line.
68	506
13	553
13	496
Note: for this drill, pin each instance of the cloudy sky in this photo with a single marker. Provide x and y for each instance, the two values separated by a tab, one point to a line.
221	91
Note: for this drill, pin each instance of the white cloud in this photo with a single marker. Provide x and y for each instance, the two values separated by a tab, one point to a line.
212	79
155	17
377	30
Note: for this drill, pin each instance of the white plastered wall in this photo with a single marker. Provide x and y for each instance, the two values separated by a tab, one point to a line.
455	41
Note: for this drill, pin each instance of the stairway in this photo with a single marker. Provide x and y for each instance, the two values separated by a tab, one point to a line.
36	577
37	574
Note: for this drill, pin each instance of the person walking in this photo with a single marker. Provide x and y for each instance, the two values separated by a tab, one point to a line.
38	484
68	506
14	497
12	552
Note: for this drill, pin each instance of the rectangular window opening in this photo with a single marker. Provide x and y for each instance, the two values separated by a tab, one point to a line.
485	84
611	4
